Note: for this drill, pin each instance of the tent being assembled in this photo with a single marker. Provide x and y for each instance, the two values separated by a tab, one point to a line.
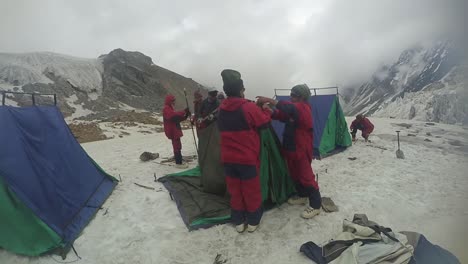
200	193
330	128
49	187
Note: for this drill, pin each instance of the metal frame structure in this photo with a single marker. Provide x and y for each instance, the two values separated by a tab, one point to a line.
33	95
311	89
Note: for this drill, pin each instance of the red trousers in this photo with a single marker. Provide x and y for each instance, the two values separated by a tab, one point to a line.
243	184
300	168
176	145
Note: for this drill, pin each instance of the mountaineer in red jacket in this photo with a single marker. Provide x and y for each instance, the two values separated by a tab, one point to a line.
298	139
172	127
362	123
239	121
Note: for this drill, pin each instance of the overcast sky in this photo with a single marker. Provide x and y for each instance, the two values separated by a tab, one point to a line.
274	44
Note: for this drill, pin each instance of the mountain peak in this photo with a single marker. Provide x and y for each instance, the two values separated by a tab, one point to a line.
416	68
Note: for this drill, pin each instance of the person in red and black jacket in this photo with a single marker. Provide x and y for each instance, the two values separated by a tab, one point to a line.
362	123
239	121
172	129
298	139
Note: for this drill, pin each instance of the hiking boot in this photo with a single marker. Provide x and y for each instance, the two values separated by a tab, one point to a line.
182	166
297	200
241	228
310	212
251	228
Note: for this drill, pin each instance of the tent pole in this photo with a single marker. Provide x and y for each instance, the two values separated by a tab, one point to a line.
191	125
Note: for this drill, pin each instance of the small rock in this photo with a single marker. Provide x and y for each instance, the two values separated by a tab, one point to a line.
427	140
411	135
430	124
428	134
456	143
404	125
145	156
438	136
352	158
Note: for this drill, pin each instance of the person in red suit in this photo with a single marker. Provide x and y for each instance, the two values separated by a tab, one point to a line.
239	121
297	147
172	129
361	123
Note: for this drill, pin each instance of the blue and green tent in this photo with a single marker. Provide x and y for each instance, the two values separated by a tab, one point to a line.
50	189
330	129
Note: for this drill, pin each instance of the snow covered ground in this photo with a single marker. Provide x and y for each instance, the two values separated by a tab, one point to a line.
426	192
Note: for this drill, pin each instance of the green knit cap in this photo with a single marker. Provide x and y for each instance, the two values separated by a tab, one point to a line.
232	81
301	90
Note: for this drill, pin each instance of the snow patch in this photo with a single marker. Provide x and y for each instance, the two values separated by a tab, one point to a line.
79	109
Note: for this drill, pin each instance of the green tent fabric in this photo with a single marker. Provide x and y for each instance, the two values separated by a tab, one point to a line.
201	209
276	184
335	134
19	222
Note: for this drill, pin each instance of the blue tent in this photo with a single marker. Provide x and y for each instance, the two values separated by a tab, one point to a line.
49	187
330	128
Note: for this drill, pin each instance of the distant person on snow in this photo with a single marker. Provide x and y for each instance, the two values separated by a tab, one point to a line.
297	147
172	127
239	121
361	123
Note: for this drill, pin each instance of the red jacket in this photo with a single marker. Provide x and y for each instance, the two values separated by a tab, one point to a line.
172	119
298	135
364	124
239	121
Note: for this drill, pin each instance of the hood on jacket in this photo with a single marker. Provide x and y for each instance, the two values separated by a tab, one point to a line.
232	103
169	99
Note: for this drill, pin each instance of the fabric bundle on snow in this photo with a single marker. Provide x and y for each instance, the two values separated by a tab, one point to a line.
364	241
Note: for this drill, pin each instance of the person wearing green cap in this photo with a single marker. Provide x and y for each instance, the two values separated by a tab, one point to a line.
298	146
239	121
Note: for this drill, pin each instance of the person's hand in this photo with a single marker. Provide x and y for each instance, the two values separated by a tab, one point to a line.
199	120
210	117
261	100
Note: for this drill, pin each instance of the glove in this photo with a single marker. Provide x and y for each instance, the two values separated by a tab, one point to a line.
210	117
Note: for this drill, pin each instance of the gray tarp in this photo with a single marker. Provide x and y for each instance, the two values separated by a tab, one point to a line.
209	160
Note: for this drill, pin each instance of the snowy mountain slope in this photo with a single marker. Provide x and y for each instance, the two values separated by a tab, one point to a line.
426	192
21	69
93	88
438	69
444	101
